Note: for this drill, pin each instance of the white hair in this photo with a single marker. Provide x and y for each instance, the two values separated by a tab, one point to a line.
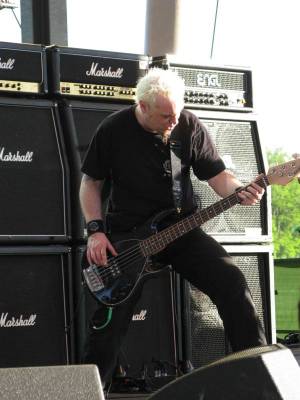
160	81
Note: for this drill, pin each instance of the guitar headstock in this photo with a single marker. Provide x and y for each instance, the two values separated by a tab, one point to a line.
284	173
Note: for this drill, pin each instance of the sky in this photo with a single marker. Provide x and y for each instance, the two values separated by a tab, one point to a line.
260	35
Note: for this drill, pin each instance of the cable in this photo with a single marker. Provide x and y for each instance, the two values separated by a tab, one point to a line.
214	31
13	11
108	319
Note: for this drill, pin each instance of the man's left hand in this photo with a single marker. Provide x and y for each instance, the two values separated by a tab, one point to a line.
251	195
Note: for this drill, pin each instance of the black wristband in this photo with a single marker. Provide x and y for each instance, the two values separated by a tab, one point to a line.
96	225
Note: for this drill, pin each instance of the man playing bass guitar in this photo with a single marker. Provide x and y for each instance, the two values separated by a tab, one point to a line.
131	149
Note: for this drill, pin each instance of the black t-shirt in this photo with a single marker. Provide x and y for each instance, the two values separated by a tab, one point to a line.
138	164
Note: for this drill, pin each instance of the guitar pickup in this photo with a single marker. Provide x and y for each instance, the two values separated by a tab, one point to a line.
93	279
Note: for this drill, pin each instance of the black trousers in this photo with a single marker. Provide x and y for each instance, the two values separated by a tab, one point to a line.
206	265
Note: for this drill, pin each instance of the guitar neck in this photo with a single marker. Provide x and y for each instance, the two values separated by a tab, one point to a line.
157	242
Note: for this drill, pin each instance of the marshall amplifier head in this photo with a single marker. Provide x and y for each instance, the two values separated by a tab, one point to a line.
23	68
95	74
212	87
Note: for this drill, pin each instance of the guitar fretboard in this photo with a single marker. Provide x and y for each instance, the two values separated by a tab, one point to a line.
157	242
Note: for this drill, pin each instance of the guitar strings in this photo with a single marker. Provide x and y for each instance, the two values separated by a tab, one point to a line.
129	255
107	271
122	259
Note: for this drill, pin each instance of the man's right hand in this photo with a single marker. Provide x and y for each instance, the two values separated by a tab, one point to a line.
97	247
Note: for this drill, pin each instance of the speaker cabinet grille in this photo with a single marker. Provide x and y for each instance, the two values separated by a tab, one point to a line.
34	194
237	141
35	306
208	340
76	382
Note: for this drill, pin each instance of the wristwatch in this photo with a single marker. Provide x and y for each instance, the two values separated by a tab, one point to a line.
96	225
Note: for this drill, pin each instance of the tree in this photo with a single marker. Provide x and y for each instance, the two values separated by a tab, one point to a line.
285	213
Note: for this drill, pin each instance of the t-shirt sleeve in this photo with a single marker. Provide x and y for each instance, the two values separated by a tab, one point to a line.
96	162
206	161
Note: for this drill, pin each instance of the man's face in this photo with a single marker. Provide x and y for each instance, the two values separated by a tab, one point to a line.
162	116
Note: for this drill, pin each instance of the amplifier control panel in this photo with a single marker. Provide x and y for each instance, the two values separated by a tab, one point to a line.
15	86
212	87
100	91
215	98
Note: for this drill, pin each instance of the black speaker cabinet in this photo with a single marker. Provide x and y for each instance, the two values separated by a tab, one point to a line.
35	306
150	348
80	120
237	140
261	373
34	173
204	331
76	382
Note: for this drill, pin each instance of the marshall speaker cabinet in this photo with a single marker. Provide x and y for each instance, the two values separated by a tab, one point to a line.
236	138
212	87
150	348
80	120
34	173
35	306
204	329
23	69
95	74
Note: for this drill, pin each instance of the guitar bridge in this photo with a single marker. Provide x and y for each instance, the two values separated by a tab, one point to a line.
93	279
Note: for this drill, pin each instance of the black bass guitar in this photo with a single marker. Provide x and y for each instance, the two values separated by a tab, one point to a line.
114	283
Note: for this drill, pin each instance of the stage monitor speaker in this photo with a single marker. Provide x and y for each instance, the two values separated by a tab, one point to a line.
72	382
204	331
238	143
264	373
80	121
35	306
34	176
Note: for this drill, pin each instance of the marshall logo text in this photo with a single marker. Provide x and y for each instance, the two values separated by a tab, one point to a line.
15	157
140	317
105	73
9	64
13	322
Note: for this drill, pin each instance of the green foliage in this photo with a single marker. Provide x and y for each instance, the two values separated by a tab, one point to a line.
285	213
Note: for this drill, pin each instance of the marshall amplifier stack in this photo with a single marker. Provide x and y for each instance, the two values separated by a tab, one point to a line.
23	69
35	256
95	74
217	88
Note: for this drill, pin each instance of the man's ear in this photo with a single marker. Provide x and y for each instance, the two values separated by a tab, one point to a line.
143	106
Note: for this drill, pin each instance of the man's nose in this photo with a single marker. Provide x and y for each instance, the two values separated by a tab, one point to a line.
173	119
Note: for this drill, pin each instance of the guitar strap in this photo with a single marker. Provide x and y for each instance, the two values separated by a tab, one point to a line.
175	150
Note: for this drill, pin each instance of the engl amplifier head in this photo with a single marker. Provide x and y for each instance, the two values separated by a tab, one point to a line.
212	87
95	74
23	68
